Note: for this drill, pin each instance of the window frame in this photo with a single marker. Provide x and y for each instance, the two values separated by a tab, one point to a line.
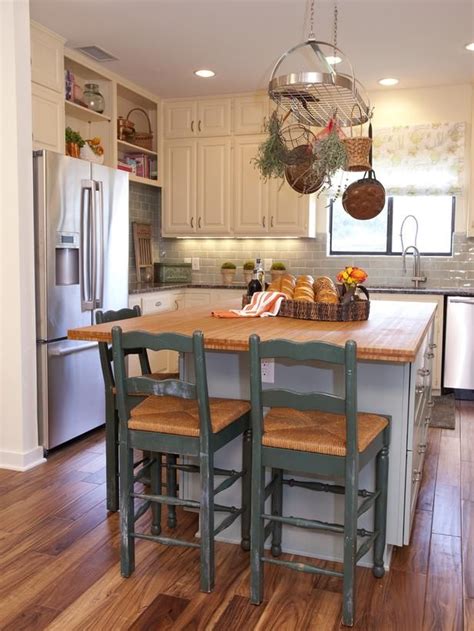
388	249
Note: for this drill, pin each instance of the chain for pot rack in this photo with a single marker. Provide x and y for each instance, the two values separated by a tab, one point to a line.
314	96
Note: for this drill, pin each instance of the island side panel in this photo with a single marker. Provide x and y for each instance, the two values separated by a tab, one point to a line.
382	388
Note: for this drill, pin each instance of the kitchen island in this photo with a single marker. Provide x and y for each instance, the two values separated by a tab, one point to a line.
394	378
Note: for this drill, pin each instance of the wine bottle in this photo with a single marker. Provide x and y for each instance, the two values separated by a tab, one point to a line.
255	284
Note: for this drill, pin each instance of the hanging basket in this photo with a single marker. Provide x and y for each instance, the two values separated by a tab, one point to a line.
357	150
141	138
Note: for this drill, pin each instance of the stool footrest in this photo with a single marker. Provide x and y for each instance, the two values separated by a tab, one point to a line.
166	499
225	523
322	487
305	523
303	567
364	548
167	540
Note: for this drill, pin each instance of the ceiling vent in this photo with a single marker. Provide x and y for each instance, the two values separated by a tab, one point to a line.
99	54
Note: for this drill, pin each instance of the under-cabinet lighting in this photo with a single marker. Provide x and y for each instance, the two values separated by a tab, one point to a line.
205	74
388	81
469	46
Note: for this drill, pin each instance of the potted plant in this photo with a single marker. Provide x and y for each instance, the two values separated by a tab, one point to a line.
277	269
228	270
74	143
248	271
351	279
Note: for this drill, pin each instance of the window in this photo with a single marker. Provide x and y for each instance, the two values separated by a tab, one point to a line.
381	235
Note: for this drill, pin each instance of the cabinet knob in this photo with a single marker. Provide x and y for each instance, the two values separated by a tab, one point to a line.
419	389
427	420
192	126
264	221
199	222
176	305
429	355
158	303
430	404
424	372
199	125
192	222
271	221
416	475
433	345
422	448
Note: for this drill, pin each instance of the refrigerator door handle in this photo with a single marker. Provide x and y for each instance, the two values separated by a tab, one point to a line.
93	227
99	223
61	351
85	253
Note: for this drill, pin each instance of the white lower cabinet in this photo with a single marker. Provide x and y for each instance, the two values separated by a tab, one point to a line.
157	302
437	349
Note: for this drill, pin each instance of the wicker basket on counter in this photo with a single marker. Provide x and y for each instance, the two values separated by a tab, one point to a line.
141	138
354	311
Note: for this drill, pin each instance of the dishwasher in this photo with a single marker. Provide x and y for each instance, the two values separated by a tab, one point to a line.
459	346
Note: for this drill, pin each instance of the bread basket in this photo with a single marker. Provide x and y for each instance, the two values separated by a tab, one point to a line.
141	138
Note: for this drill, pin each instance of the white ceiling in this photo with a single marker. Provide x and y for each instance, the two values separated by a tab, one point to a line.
160	42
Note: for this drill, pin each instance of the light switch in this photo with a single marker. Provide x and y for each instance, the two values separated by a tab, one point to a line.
267	264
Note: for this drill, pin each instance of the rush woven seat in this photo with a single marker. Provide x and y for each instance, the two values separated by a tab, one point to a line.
318	435
172	415
318	432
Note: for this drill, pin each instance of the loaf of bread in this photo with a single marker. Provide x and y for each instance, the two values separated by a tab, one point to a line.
327	296
275	285
288	282
324	282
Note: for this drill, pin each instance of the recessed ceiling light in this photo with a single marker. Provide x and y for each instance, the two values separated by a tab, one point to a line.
388	81
469	46
333	60
205	74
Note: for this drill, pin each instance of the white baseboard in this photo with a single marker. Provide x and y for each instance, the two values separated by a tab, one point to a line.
21	461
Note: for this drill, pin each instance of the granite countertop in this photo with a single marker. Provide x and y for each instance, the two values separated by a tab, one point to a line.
146	288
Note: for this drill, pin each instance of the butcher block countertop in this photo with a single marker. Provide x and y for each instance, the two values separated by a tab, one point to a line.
393	332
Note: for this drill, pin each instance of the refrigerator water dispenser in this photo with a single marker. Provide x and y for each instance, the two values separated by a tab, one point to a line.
67	259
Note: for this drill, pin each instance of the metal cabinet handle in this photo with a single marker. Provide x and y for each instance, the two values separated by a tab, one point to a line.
422	448
176	305
433	345
430	404
192	222
427	420
263	221
192	126
199	222
419	389
158	303
429	355
416	475
424	372
199	125
271	221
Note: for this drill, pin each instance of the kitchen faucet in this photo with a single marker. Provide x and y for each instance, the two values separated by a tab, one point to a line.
417	278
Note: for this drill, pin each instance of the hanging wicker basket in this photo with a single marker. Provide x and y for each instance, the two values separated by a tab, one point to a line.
142	138
357	149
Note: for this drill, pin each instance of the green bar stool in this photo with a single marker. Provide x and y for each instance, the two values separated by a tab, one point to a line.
315	433
111	414
177	417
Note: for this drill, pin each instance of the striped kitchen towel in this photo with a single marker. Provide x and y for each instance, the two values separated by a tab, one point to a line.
262	305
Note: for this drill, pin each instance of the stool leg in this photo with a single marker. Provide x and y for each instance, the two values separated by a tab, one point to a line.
206	514
246	488
380	520
171	477
111	453
257	526
350	541
277	507
155	487
127	547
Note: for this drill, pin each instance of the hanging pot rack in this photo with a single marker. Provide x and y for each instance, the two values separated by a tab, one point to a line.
314	97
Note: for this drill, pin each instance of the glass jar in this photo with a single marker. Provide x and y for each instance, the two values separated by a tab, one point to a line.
93	98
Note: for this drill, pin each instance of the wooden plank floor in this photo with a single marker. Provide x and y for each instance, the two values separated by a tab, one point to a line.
59	553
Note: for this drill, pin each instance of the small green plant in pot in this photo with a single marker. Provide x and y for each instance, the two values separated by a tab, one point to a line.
277	269
74	142
228	270
248	270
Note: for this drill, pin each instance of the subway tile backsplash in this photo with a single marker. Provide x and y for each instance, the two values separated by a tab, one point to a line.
301	256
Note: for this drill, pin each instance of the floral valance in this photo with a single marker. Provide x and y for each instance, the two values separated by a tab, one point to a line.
421	159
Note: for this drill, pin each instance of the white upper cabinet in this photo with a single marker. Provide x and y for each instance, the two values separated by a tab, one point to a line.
291	214
213	185
47	58
250	191
179	193
203	117
250	114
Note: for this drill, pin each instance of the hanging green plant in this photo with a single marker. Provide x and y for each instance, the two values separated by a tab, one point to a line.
270	160
329	154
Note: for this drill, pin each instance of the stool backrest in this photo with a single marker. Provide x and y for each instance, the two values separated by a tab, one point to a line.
105	350
314	400
129	387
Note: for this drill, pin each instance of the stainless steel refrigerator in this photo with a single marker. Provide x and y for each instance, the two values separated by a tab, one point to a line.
81	248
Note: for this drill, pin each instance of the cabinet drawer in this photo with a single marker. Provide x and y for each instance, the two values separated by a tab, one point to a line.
159	303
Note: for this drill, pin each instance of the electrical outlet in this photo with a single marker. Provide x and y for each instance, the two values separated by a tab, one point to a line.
268	370
267	264
195	263
187	259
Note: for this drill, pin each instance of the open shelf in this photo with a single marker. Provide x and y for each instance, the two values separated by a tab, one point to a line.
144	180
84	113
128	146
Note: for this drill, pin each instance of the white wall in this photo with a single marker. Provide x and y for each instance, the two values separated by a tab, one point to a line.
438	104
18	407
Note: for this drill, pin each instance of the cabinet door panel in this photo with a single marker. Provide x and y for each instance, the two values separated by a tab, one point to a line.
250	191
213	117
48	119
47	63
213	172
288	211
179	192
250	114
179	119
